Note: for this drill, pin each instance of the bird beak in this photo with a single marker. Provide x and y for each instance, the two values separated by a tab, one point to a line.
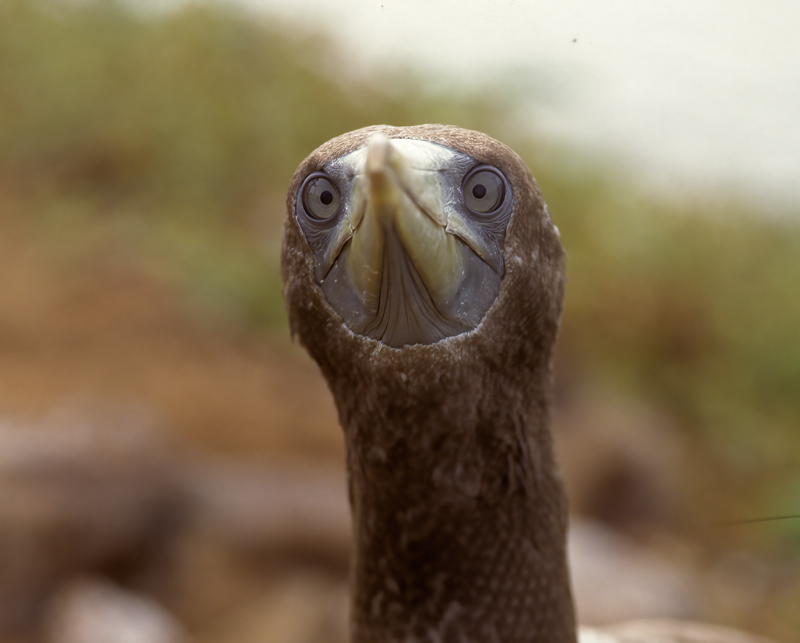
399	228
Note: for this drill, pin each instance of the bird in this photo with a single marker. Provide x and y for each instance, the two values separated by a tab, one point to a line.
423	273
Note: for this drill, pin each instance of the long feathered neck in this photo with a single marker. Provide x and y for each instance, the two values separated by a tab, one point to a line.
459	514
460	517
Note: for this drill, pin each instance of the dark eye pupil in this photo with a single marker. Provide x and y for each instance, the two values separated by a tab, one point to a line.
479	191
326	198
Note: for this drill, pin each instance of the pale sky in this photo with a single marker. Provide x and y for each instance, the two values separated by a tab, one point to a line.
705	91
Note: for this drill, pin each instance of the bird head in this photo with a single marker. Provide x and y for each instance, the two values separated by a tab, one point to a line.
418	235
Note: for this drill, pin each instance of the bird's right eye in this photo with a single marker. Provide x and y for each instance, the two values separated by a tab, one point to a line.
320	198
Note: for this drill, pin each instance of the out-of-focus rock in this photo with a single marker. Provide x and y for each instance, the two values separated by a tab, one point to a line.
667	631
93	611
306	609
76	493
278	508
249	526
620	461
614	579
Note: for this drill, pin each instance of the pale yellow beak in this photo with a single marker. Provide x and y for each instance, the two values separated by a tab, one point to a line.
399	203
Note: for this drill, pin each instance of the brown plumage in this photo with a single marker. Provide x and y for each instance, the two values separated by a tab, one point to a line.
459	514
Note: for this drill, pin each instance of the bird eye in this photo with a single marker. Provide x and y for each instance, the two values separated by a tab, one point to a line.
320	198
484	191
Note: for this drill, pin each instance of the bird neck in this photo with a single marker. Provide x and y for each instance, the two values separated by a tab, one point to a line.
459	513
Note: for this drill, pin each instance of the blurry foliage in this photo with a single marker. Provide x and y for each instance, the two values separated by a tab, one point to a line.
697	310
178	134
171	140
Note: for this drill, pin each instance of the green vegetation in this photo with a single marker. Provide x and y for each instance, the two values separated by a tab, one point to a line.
696	310
169	142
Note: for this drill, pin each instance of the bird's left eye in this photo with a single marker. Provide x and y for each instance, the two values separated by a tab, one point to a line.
320	198
484	191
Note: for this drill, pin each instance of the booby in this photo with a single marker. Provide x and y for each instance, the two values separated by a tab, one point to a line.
423	273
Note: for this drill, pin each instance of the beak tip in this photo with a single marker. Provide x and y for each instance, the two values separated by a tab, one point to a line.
377	153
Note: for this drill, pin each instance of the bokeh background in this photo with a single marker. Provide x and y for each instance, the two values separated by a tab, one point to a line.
171	467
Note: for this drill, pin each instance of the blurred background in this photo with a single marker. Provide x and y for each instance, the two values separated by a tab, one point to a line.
171	467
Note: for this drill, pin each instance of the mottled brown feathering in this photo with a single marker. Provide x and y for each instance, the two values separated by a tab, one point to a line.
459	514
